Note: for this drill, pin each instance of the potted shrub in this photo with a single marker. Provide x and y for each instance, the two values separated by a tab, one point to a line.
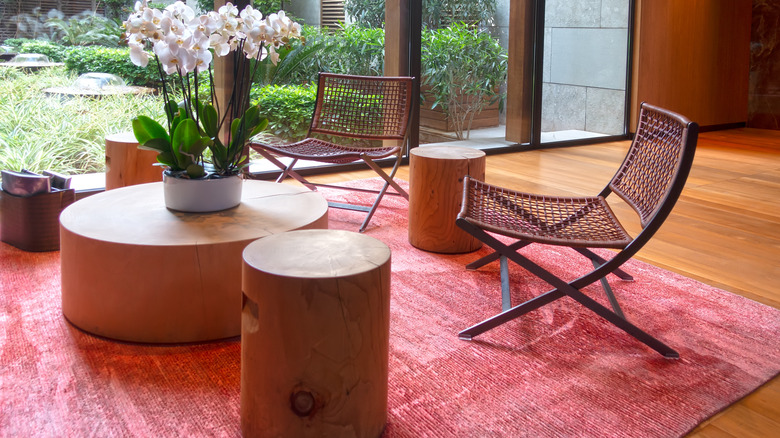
462	70
204	140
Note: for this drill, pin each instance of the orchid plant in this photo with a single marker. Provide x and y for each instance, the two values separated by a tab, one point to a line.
194	144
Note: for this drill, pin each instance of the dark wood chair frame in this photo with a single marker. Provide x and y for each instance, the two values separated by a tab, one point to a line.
650	180
346	113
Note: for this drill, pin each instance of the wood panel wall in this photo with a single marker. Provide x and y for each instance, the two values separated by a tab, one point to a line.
693	57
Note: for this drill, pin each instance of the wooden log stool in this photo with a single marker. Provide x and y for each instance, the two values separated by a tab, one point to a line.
127	165
435	196
315	335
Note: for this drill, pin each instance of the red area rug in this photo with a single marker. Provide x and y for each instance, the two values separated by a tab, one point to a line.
558	371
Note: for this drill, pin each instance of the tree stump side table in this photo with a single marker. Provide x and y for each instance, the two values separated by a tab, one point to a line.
436	196
127	165
315	335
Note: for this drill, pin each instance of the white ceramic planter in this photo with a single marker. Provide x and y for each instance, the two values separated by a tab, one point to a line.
202	195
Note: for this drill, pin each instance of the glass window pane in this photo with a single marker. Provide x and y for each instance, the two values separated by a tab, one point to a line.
584	71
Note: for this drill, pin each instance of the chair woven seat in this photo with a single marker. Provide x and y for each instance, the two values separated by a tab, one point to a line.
324	151
586	222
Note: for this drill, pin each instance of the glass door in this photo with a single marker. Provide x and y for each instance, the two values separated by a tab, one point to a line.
584	70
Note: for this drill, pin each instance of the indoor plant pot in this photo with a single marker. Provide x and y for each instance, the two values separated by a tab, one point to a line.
201	195
204	142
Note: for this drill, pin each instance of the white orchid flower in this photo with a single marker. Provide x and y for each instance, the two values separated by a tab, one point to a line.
138	55
166	21
199	44
177	42
284	23
181	11
134	24
177	26
251	49
255	33
231	24
202	60
220	44
181	61
228	10
250	15
272	53
295	30
203	26
267	33
141	5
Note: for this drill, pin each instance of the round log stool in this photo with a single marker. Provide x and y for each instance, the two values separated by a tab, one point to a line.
127	165
315	335
436	195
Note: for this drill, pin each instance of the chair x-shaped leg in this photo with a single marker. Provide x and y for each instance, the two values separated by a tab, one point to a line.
287	170
561	289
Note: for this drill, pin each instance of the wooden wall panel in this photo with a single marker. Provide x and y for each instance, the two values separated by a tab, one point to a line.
693	57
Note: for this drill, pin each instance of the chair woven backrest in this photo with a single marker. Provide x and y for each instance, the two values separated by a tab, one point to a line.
363	107
657	162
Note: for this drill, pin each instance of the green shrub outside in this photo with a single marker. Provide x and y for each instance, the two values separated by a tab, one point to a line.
288	109
350	49
16	43
115	61
66	134
357	51
55	52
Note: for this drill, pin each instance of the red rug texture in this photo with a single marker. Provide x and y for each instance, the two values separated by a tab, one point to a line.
558	371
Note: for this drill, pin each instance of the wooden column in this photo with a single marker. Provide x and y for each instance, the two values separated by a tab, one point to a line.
396	38
436	196
520	74
223	70
315	335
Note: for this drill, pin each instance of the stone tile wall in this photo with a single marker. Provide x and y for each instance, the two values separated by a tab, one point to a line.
584	78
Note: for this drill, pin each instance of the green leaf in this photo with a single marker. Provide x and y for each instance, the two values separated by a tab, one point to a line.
171	109
234	128
156	144
146	129
209	119
195	170
168	159
259	128
185	135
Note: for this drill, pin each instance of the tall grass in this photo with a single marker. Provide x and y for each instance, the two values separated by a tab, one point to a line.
40	132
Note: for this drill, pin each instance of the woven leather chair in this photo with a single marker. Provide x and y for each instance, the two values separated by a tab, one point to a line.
649	180
356	118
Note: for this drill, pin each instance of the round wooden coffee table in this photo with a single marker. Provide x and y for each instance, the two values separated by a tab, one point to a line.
133	270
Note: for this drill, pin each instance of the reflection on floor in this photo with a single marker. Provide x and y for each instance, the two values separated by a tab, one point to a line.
485	138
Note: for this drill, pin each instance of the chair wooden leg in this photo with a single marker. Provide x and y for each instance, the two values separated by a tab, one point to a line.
561	288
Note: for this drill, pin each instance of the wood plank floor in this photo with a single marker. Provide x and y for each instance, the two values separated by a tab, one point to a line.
724	231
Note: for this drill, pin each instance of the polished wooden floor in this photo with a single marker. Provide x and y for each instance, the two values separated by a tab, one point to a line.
725	230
